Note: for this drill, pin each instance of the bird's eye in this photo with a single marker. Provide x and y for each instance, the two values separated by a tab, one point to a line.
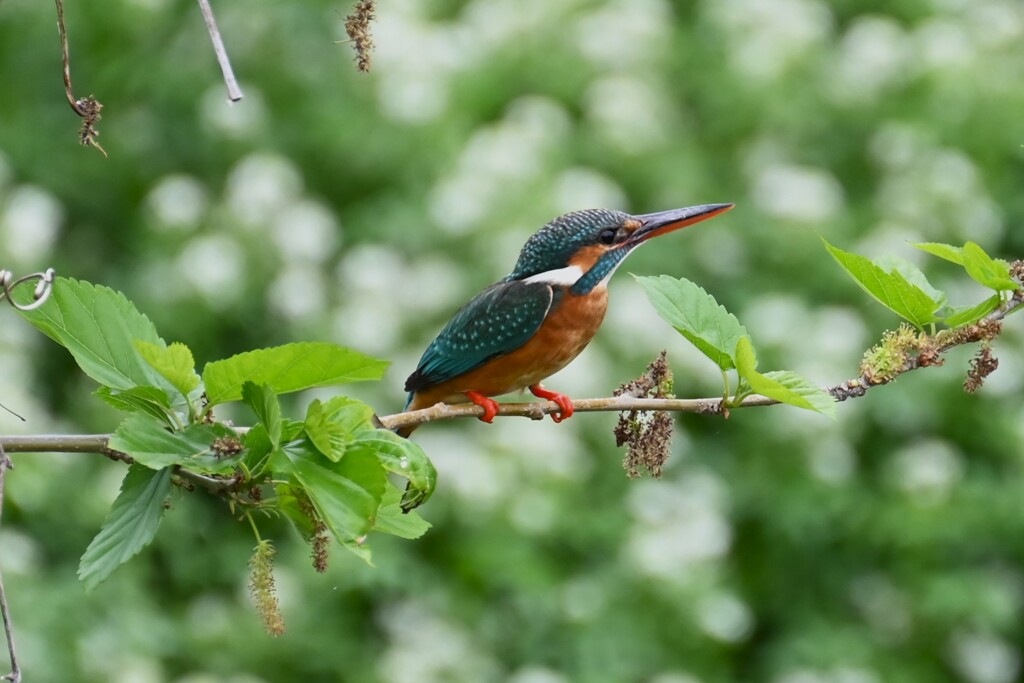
607	236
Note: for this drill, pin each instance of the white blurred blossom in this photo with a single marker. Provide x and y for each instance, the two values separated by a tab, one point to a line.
799	193
30	220
724	617
767	36
305	231
214	267
260	185
177	202
927	470
984	658
236	120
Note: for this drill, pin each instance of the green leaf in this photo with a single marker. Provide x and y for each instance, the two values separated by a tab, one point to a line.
263	401
783	386
391	519
149	443
333	425
696	315
288	495
402	457
150	401
799	391
174	363
130	525
943	251
889	288
913	275
972	314
346	493
985	270
292	367
257	449
99	327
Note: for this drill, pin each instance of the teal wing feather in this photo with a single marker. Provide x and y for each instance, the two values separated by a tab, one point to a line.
496	321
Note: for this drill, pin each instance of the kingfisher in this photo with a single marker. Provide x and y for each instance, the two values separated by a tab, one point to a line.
535	321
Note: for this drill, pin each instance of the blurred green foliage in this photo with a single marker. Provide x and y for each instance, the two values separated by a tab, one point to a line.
332	205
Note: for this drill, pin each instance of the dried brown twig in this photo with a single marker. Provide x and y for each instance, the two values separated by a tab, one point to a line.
15	675
234	92
647	435
87	107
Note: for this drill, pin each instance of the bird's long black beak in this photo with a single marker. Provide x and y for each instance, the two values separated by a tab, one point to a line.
654	224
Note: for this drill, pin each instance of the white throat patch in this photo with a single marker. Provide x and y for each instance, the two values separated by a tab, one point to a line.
565	277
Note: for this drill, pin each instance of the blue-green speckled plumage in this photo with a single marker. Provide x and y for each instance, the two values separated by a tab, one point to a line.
507	314
496	321
552	246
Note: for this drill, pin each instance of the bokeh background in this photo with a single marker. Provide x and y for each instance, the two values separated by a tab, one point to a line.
364	209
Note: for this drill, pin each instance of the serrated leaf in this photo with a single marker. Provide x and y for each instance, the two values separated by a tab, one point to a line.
328	437
263	401
987	271
943	251
913	275
354	416
783	386
346	494
402	457
288	496
149	443
333	425
972	314
173	362
696	315
391	519
98	326
130	525
797	385
889	288
292	367
257	449
150	401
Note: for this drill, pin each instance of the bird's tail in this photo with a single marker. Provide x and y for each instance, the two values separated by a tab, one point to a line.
404	432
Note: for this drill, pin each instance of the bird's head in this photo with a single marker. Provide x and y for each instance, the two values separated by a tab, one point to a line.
582	249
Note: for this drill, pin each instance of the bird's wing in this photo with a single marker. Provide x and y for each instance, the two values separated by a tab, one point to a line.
496	321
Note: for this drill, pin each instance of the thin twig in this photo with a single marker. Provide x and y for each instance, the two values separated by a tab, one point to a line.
211	484
234	92
15	675
55	443
87	107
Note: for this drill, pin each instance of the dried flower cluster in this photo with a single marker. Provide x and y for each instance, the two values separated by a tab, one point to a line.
982	365
89	109
647	435
226	446
319	539
261	588
357	26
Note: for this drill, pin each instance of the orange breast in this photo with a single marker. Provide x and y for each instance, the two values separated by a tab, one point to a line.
565	332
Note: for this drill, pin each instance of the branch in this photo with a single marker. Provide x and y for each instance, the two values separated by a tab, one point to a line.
927	351
234	92
15	675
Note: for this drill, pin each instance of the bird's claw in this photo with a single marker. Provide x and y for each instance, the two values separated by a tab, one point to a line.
565	406
489	405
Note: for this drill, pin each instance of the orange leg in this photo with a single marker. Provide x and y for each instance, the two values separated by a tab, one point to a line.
563	401
490	406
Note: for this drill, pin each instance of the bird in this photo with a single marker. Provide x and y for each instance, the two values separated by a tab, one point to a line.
536	320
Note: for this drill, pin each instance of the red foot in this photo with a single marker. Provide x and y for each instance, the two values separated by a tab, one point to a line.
490	406
566	408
